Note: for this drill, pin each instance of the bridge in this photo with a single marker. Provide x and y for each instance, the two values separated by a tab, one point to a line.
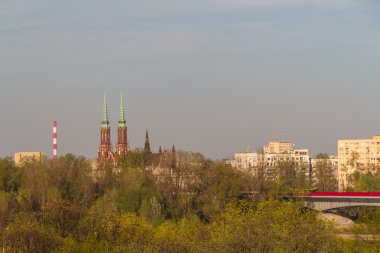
323	201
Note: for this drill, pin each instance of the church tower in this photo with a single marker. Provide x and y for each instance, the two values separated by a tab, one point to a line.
174	158
147	144
122	144
105	148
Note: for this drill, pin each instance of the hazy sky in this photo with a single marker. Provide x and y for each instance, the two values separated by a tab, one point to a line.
212	76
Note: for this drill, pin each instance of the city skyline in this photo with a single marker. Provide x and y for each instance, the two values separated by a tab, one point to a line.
208	76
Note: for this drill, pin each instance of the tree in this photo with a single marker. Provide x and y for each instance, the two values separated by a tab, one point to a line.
218	186
122	232
61	214
290	177
186	235
70	175
354	160
26	234
135	187
273	226
9	175
262	184
366	230
325	175
367	182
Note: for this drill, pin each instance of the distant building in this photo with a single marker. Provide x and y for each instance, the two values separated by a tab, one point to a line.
270	157
166	159
277	152
360	155
106	155
245	160
279	148
21	158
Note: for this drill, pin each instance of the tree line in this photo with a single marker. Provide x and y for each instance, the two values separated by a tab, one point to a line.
198	205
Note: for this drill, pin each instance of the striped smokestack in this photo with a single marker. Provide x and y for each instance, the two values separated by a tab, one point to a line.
55	140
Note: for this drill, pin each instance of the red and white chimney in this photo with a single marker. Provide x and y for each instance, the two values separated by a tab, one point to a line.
55	140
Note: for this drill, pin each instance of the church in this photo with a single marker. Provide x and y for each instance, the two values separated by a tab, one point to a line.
107	155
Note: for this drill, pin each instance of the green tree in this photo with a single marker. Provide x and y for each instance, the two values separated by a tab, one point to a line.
9	175
122	232
134	188
290	177
217	186
273	226
26	234
366	231
365	182
186	235
325	175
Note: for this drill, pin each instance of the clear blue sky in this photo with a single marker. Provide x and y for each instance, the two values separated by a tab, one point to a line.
212	76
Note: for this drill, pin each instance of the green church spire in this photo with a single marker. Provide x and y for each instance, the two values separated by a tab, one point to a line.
105	122
122	122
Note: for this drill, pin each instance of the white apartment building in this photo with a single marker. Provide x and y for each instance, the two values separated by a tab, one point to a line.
277	152
271	156
245	160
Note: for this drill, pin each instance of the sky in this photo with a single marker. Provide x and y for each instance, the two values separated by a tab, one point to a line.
209	76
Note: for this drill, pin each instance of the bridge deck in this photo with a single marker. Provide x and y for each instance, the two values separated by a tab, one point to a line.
332	200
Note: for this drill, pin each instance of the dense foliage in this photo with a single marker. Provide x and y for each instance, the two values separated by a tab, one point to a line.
367	182
198	206
325	175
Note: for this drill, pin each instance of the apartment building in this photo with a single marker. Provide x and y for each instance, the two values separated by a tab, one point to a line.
245	160
279	148
277	152
360	155
271	155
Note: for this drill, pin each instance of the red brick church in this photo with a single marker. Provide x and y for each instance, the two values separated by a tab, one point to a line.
106	154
